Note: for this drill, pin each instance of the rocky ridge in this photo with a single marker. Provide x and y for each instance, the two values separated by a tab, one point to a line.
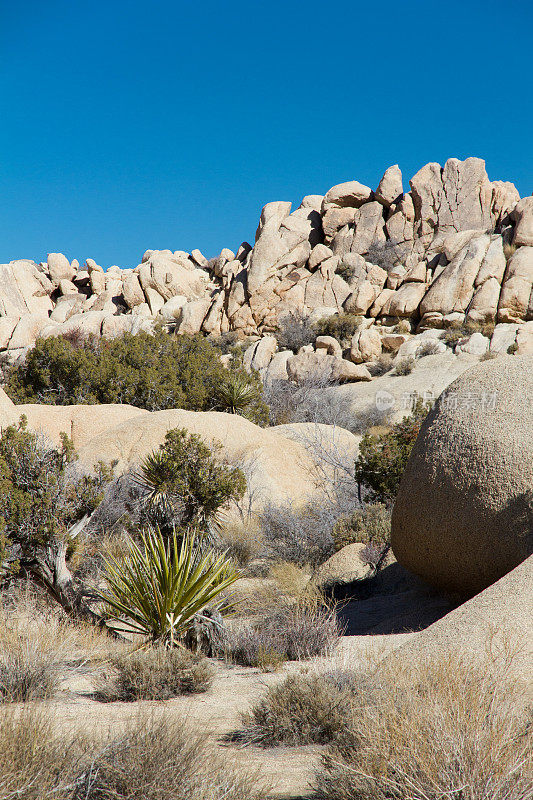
456	249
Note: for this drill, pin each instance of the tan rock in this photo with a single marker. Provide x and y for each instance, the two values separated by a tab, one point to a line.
405	301
344	566
92	266
523	214
453	290
393	341
524	339
366	345
517	286
132	291
192	315
471	471
347	372
329	344
361	299
199	258
59	267
97	280
351	194
27	330
260	354
369	227
319	253
390	187
24	289
336	218
67	287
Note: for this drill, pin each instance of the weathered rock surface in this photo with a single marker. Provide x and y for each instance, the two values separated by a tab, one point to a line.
429	255
463	517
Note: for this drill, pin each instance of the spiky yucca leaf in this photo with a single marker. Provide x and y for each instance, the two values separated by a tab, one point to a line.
159	586
235	393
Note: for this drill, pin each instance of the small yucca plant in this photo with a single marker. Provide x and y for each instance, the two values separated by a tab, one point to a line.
236	394
161	584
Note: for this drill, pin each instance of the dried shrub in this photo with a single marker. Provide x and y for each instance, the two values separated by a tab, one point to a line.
341	326
404	366
299	535
369	525
295	331
35	761
26	671
241	541
293	633
443	727
302	710
386	254
430	348
489	355
381	366
308	402
154	674
153	758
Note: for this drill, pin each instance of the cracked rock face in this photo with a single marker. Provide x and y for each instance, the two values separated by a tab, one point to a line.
456	246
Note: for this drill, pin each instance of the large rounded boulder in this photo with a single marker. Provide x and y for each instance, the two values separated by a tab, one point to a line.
463	517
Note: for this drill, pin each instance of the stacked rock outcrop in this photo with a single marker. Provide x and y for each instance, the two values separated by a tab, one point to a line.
455	248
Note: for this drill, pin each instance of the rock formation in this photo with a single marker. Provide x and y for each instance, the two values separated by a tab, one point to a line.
463	517
455	248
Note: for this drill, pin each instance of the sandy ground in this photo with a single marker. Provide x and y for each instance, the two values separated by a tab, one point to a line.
289	770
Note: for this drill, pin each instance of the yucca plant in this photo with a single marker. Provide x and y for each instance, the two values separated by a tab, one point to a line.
161	584
242	394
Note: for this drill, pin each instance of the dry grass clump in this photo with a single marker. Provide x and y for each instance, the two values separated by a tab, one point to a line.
155	674
447	728
154	758
158	758
241	541
38	644
404	366
369	525
430	348
302	710
35	762
509	250
291	633
27	671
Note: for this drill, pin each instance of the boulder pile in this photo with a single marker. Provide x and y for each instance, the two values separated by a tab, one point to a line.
455	249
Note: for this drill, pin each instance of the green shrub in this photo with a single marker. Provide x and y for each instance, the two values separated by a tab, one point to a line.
149	371
185	484
159	587
341	326
512	349
154	674
383	457
41	499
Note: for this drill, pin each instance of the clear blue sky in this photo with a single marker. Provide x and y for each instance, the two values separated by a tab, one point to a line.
129	125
